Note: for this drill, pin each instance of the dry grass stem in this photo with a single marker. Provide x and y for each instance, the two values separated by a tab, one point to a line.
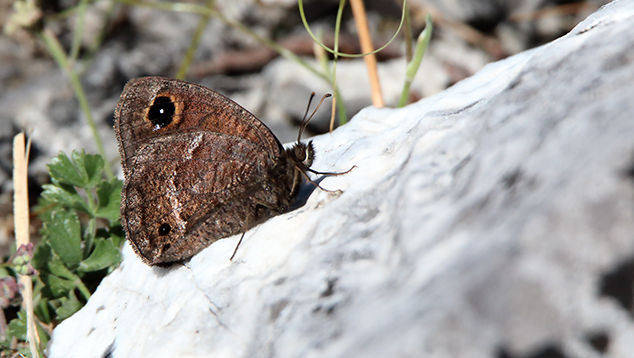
21	217
361	21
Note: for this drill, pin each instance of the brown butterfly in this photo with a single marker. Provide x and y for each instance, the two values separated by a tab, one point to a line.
197	168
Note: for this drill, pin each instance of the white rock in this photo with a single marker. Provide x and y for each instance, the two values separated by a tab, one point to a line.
479	222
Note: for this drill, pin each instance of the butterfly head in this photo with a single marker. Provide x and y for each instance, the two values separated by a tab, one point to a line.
302	155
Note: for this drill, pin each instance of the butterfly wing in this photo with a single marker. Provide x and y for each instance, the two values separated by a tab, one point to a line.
156	106
197	167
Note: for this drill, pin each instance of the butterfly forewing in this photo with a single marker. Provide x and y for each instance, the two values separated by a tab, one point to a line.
196	108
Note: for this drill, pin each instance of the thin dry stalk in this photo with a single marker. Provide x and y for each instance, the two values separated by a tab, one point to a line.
21	217
361	21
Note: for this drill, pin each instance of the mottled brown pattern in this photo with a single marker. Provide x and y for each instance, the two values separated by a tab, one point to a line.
214	171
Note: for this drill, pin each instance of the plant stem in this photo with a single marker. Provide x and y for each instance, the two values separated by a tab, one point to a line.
78	31
412	67
91	230
305	22
55	49
407	34
82	288
191	51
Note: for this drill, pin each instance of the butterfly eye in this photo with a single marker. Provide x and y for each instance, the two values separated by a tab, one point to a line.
164	229
300	152
161	113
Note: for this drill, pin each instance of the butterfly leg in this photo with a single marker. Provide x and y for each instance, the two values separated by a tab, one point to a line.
338	191
238	245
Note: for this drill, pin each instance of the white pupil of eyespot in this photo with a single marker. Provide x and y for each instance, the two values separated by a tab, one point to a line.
161	111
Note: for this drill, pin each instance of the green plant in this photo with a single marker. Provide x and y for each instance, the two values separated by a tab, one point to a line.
414	63
414	58
80	244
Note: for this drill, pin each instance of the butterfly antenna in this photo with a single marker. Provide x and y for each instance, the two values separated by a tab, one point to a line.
306	120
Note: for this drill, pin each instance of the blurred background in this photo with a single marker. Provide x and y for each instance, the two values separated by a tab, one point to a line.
108	42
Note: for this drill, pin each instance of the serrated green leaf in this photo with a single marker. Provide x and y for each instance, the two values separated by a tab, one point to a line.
40	303
17	326
43	208
65	195
117	240
41	254
105	254
91	164
63	233
58	286
17	329
57	268
83	171
69	306
64	171
109	195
